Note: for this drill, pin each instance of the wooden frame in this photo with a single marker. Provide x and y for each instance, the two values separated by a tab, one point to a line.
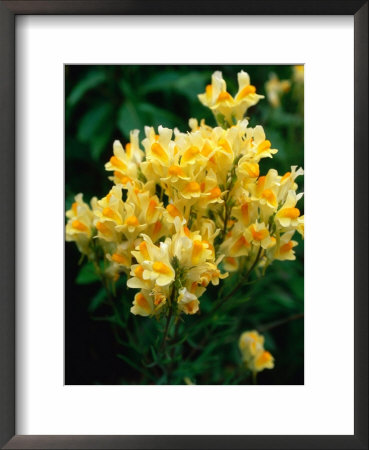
8	12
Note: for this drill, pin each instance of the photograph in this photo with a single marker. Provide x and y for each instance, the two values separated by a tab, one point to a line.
184	224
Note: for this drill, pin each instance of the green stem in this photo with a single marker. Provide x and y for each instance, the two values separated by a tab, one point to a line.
277	323
254	377
242	281
169	317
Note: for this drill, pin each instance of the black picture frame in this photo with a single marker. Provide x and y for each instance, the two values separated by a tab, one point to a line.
8	12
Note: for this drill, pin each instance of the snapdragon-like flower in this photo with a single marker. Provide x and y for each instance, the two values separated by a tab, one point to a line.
223	105
254	356
79	227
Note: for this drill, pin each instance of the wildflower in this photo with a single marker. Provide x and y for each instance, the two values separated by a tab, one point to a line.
154	264
288	214
223	104
143	304
275	89
124	163
261	236
254	356
187	302
80	224
284	250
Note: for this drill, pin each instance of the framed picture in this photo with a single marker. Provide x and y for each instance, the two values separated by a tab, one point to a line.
154	265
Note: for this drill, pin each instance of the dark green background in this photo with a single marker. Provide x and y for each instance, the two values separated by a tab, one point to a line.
103	103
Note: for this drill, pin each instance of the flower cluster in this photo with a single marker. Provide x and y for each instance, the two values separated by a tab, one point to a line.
254	356
187	208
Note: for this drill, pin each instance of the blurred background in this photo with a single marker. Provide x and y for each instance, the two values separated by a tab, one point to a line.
103	103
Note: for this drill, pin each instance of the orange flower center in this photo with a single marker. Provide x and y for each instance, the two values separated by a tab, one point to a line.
224	96
247	90
289	213
122	178
215	193
138	271
264	146
132	221
77	225
108	212
173	211
143	250
285	176
175	170
74	208
102	228
162	268
269	196
286	247
158	151
193	187
259	235
118	163
151	209
120	259
142	302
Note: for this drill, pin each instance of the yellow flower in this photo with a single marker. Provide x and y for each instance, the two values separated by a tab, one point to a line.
260	235
160	153
301	226
284	251
222	103
255	357
246	211
288	215
298	74
124	163
187	302
275	88
154	264
121	256
174	210
188	247
80	224
238	242
111	207
106	231
143	304
287	182
231	264
263	361
261	147
246	95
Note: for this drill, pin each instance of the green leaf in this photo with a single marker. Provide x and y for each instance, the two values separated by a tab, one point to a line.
87	274
160	81
281	118
94	122
91	80
135	366
97	300
102	141
125	88
129	118
189	85
157	116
